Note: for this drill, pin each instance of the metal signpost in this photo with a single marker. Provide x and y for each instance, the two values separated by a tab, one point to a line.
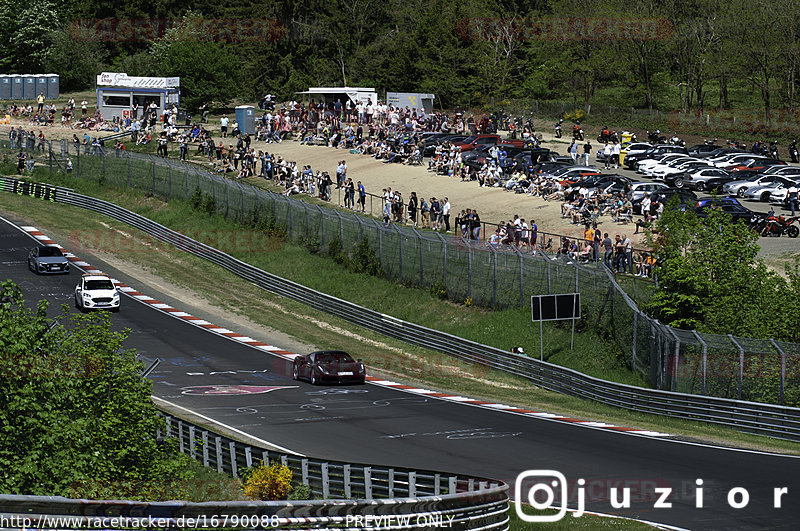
555	308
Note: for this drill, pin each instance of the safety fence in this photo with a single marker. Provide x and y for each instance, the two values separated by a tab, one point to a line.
348	494
671	359
773	420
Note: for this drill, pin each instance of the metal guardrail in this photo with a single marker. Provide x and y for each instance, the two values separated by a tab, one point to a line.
753	417
351	492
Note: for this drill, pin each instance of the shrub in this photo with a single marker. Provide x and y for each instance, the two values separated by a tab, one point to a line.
209	205
271	482
197	199
301	492
365	260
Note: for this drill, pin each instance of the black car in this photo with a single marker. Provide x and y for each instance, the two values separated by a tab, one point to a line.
698	150
685	197
329	366
46	260
734	210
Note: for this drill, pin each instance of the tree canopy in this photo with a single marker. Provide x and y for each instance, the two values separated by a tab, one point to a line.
678	53
711	279
75	413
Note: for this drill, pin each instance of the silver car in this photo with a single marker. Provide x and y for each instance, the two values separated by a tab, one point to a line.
48	260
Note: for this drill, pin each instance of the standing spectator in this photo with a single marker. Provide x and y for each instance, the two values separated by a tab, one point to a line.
534	233
84	107
362	196
412	208
615	152
476	225
587	151
349	193
436	213
608	246
426	220
627	261
791	195
446	214
223	126
573	151
40	102
607	154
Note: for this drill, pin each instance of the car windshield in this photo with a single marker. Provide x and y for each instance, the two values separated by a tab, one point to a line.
50	251
98	284
333	357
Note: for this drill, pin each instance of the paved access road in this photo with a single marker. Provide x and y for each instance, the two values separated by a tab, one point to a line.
383	426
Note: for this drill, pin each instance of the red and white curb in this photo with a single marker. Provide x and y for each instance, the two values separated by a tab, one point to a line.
166	308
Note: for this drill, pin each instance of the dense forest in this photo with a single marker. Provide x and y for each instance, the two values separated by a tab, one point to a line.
678	54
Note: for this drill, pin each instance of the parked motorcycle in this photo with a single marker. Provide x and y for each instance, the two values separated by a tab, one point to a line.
557	128
773	151
778	226
793	153
267	103
607	135
677	141
760	148
577	132
655	137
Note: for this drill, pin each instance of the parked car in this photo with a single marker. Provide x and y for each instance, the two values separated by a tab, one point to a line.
47	260
329	366
739	187
685	198
632	159
695	179
702	149
474	141
762	192
736	211
640	189
96	292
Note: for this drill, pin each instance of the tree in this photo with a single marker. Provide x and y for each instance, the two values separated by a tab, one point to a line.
209	71
75	413
710	279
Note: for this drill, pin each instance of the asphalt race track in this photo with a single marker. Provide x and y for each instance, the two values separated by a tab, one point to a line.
367	423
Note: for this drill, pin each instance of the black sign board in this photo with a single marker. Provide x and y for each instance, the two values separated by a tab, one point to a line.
555	307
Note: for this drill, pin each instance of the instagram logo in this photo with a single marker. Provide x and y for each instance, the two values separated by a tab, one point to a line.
541	487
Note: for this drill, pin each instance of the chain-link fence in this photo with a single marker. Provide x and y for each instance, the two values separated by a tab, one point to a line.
679	360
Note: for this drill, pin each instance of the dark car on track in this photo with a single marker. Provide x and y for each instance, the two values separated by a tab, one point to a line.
329	366
47	260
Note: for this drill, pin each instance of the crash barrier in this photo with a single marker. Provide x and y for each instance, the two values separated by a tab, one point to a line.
766	419
351	494
677	360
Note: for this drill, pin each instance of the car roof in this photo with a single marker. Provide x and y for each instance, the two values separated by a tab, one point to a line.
94	276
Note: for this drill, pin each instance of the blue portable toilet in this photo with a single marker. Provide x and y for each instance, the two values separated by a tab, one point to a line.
17	84
52	86
246	118
41	85
5	87
29	87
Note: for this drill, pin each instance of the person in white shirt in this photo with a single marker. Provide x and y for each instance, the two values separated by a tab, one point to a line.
446	214
607	153
615	152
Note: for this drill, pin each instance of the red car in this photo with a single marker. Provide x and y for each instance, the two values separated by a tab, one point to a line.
329	366
475	141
